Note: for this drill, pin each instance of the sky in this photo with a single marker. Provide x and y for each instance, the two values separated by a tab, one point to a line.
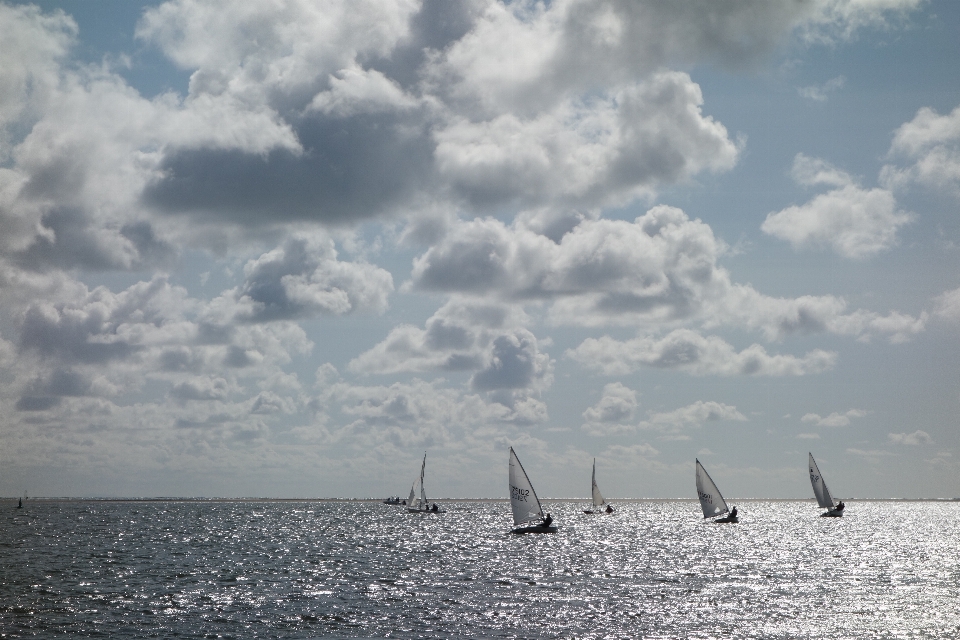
286	248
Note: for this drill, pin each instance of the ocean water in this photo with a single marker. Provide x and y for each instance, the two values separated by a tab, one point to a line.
247	569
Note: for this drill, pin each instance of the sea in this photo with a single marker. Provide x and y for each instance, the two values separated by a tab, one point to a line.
364	569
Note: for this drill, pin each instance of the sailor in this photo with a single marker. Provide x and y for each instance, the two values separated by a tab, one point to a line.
609	509
20	503
840	506
733	513
435	507
547	520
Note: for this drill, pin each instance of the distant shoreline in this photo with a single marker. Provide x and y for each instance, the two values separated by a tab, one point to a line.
443	500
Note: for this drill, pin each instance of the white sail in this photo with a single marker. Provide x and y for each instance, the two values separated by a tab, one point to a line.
413	492
598	500
711	501
423	492
824	499
523	499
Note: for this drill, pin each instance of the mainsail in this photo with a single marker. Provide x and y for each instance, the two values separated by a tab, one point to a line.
413	492
598	500
711	501
523	499
423	492
824	499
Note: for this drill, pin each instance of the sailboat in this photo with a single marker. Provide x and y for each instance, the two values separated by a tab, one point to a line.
824	499
524	501
422	505
711	501
598	500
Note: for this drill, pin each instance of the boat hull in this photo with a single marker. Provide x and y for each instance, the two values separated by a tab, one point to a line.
727	520
409	510
535	529
833	513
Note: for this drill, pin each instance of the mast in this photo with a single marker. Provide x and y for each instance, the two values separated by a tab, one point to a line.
423	491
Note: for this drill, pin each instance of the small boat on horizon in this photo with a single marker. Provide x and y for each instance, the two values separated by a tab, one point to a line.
524	501
422	504
824	499
599	503
711	502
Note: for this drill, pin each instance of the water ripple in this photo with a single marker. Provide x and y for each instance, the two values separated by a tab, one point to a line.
353	569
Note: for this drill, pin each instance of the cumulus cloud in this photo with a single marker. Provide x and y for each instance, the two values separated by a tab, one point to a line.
852	221
660	270
930	143
419	413
587	152
609	416
835	419
613	413
486	338
687	350
918	437
305	278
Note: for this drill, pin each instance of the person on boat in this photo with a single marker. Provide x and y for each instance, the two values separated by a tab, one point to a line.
20	503
609	509
435	509
733	512
840	506
547	520
404	503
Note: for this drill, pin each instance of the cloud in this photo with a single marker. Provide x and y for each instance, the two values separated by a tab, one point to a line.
339	111
613	412
819	93
420	413
854	222
918	437
947	305
660	270
201	389
609	415
605	150
931	144
458	337
693	415
686	350
304	278
834	419
873	456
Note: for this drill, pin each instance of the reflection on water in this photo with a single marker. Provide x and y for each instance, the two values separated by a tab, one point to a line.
309	569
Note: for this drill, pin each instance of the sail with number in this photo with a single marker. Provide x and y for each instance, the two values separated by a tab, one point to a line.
598	500
523	499
824	499
711	501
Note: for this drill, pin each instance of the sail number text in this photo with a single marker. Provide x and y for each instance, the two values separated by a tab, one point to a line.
519	494
705	497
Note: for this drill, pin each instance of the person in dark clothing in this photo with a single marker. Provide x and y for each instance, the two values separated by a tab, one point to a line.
547	520
841	506
435	509
733	513
609	509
